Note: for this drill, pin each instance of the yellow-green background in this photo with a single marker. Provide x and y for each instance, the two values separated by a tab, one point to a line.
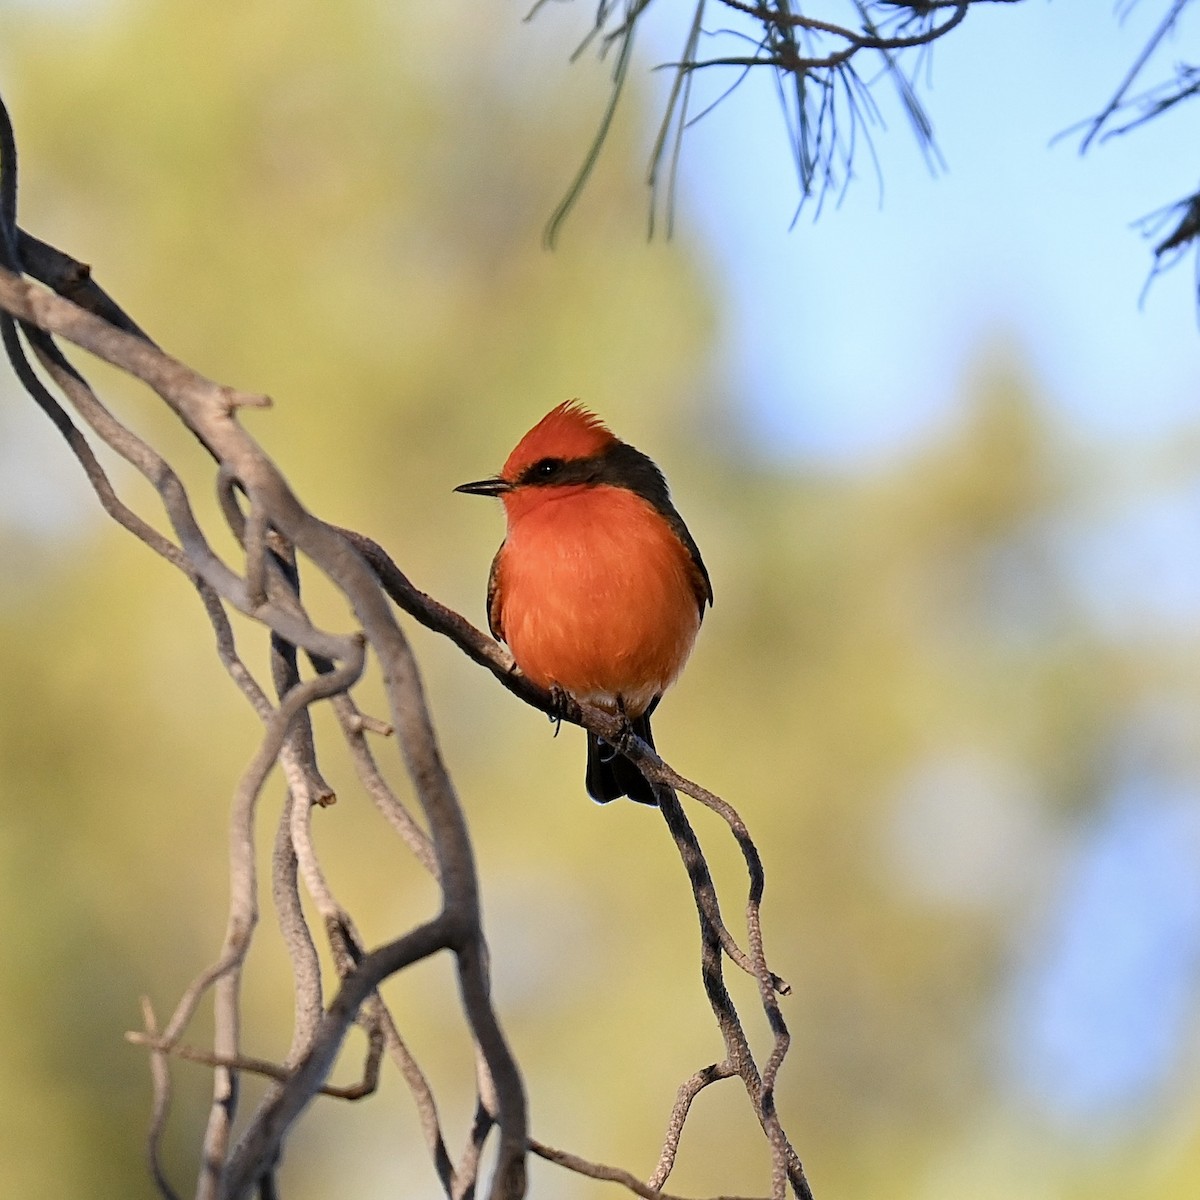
341	205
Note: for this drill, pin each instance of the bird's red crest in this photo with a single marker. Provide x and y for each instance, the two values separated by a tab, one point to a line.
566	431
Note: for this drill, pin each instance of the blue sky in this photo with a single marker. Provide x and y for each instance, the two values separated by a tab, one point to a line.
849	336
1102	1012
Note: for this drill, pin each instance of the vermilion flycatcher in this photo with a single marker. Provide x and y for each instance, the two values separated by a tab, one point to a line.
598	589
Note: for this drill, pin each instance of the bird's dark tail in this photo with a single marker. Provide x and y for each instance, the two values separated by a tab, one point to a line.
610	774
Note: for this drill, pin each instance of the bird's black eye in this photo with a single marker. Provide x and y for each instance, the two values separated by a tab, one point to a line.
544	469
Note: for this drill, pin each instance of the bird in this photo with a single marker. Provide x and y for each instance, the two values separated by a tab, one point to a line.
598	588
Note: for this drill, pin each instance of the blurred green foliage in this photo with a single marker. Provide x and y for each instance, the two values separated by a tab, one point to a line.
342	206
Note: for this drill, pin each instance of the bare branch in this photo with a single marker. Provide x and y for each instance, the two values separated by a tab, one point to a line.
261	1144
354	727
1139	64
275	530
297	937
786	1165
688	1091
1144	107
160	1078
581	1166
260	1066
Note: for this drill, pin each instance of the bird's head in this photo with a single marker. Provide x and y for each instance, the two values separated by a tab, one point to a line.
567	447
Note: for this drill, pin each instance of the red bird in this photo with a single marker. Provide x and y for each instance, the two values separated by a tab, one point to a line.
598	589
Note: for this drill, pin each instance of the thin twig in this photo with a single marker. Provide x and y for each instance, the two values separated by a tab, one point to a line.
160	1079
354	726
279	1072
581	1166
688	1091
786	1165
293	925
1164	27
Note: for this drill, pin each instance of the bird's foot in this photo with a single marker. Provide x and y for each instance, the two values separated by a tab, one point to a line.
626	736
560	701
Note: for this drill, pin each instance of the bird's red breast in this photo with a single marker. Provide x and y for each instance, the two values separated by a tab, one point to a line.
594	592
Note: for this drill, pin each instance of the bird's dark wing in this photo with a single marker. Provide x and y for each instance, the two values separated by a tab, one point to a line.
493	597
701	584
627	467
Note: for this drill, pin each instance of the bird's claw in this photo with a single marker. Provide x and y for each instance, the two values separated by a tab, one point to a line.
559	702
626	736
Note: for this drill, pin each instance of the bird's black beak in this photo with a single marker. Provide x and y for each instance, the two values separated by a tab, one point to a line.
486	487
